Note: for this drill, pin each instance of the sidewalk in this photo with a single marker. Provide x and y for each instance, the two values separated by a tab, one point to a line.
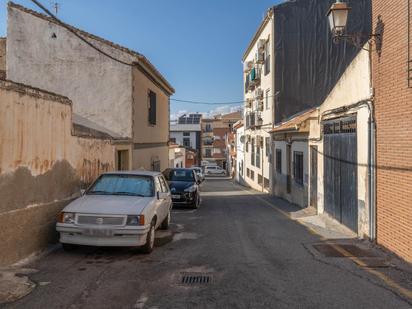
339	245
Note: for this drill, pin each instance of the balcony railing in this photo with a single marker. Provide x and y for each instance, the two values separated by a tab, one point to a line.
252	79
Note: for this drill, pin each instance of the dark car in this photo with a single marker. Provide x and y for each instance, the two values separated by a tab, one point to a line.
184	186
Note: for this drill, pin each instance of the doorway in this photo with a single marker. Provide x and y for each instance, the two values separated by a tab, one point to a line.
314	176
288	168
122	163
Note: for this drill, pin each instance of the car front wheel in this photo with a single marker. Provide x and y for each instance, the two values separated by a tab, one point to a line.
148	247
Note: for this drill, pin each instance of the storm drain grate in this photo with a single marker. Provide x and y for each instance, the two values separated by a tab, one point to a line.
193	279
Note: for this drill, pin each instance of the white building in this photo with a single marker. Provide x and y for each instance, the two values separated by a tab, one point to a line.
259	107
240	152
187	135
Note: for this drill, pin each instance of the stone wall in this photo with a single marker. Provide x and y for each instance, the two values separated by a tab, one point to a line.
42	166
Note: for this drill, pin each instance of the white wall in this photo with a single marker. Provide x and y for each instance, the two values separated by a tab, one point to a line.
178	135
266	84
353	86
240	156
100	88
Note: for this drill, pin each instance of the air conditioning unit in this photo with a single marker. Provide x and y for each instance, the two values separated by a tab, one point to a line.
247	66
261	44
249	102
258	94
260	106
259	57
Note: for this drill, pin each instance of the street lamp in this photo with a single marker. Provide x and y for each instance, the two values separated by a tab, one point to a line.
338	19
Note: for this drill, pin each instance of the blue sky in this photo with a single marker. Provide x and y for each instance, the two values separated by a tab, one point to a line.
196	44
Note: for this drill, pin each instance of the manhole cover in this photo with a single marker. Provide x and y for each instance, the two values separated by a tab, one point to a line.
342	250
195	279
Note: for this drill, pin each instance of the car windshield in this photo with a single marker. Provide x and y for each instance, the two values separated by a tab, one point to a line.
179	175
132	185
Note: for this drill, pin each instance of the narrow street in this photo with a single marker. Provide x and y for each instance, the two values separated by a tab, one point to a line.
254	257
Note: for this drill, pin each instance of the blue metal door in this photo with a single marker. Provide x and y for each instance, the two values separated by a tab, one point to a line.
340	170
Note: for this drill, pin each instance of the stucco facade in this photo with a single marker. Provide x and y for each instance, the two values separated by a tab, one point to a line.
353	91
41	157
109	94
260	109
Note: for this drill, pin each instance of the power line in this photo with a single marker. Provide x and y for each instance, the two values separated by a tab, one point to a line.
44	9
215	103
206	103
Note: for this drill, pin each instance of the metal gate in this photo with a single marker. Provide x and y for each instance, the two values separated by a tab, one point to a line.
340	170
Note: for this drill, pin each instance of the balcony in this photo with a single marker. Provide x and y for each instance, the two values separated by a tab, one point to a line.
252	79
253	120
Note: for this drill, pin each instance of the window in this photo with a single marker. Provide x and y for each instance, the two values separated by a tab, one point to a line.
163	184
258	156
267	99
158	187
208	128
173	140
252	175
260	179
156	166
266	183
208	153
152	107
267	146
267	57
186	142
247	172
298	167
122	184
279	161
247	146
252	155
186	133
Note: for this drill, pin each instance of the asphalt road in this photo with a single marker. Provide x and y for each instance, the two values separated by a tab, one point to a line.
252	255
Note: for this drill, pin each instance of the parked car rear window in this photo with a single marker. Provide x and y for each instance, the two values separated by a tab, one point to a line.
179	175
133	185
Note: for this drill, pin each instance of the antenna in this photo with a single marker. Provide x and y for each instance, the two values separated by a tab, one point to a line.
55	7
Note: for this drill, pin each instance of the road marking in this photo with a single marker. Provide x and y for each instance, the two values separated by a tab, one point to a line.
404	291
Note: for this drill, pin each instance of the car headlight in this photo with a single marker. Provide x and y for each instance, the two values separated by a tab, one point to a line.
135	220
191	189
67	217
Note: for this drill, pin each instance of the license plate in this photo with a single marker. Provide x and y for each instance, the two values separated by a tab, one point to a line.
98	232
177	196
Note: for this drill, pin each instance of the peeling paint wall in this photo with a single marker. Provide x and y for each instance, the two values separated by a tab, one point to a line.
42	166
45	55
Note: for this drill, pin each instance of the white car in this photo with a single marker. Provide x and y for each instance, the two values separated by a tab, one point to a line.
214	170
119	209
199	173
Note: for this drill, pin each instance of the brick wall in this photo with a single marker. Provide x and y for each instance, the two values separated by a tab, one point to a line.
394	134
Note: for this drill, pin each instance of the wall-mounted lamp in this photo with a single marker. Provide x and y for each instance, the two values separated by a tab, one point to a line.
338	19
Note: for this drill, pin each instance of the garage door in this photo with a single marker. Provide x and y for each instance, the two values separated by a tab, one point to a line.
340	170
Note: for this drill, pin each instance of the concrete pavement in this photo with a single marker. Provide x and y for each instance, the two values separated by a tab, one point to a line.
241	247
